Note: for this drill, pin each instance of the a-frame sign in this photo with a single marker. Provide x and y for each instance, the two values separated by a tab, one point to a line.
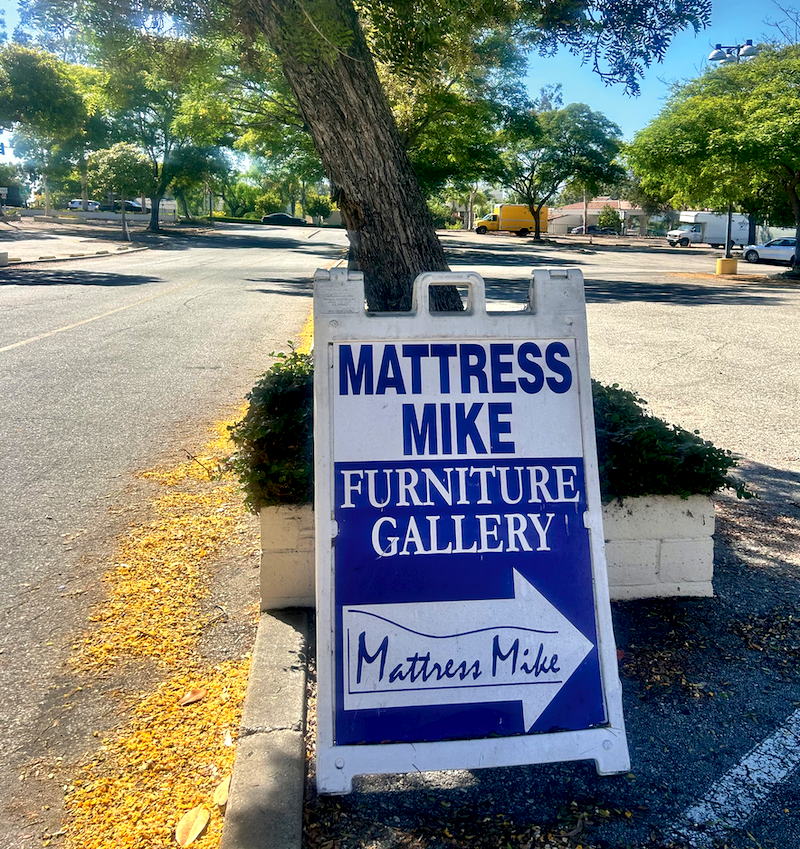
463	610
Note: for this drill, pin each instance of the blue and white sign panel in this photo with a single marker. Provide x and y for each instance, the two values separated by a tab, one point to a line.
462	596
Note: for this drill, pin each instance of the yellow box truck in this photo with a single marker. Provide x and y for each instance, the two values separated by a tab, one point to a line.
514	217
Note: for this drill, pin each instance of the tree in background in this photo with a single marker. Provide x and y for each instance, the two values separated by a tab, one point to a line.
196	168
43	105
730	136
609	217
318	206
239	197
162	88
566	147
122	168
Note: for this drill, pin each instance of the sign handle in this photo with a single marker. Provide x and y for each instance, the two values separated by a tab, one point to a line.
476	288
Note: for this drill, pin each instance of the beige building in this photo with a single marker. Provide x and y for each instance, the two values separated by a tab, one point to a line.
564	218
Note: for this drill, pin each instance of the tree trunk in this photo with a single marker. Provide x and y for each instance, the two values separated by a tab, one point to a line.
125	234
155	202
47	209
471	207
391	233
181	198
585	214
537	223
84	184
794	200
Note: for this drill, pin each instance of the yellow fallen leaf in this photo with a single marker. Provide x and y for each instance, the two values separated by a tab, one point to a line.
221	793
192	696
191	825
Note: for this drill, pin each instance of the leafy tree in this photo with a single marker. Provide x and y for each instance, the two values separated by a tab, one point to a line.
195	168
122	168
329	64
44	106
269	201
240	198
556	149
330	54
609	217
730	136
157	83
318	206
60	27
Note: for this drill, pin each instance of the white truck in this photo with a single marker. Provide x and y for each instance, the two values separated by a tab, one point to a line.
709	228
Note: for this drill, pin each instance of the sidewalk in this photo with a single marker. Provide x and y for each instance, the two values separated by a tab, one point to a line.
27	240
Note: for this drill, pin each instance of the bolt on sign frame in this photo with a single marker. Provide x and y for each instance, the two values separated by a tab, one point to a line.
462	596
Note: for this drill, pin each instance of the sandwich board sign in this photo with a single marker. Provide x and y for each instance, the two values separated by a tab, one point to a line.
462	596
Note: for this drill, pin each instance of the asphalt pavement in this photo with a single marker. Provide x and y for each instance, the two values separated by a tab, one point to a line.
110	364
711	687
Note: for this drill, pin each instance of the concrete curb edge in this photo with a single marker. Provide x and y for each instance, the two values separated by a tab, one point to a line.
265	803
13	263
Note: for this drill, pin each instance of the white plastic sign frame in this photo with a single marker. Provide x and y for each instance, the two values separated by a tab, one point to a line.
462	595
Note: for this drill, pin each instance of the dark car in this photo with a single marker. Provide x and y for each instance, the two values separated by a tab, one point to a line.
281	219
594	230
130	206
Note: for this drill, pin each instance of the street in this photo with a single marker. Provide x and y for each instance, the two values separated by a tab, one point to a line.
107	366
110	364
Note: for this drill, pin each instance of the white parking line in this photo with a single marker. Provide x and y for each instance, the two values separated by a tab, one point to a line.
732	800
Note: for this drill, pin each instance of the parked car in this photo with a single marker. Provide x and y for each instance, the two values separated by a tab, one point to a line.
130	206
594	230
77	203
281	219
776	250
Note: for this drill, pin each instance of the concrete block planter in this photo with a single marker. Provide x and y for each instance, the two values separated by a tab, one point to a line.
656	546
287	556
659	545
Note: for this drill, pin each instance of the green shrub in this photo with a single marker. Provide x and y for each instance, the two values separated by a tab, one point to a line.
274	459
638	453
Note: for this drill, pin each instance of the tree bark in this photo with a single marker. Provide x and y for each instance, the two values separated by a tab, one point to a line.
337	88
125	234
155	203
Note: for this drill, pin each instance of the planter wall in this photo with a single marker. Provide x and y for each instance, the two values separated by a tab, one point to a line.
287	556
655	546
659	546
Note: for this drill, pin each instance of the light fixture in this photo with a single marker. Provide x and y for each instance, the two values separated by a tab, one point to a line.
725	53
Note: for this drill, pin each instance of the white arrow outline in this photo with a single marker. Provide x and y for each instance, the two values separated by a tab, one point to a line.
444	621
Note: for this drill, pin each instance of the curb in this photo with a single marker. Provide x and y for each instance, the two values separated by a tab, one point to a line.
14	261
265	803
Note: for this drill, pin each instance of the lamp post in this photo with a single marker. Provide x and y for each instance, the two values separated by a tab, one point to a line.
726	54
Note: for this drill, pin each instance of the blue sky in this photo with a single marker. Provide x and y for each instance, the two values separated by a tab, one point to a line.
733	21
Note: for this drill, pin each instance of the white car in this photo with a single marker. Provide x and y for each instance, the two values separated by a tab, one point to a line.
777	250
77	203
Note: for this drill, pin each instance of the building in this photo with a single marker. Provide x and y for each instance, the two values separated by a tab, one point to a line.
564	218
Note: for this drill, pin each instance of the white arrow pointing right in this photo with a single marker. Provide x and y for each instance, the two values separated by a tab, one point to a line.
456	652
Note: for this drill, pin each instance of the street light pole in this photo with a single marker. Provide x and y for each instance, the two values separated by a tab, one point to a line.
725	54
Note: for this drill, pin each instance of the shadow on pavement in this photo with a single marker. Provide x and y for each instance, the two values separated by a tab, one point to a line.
37	276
